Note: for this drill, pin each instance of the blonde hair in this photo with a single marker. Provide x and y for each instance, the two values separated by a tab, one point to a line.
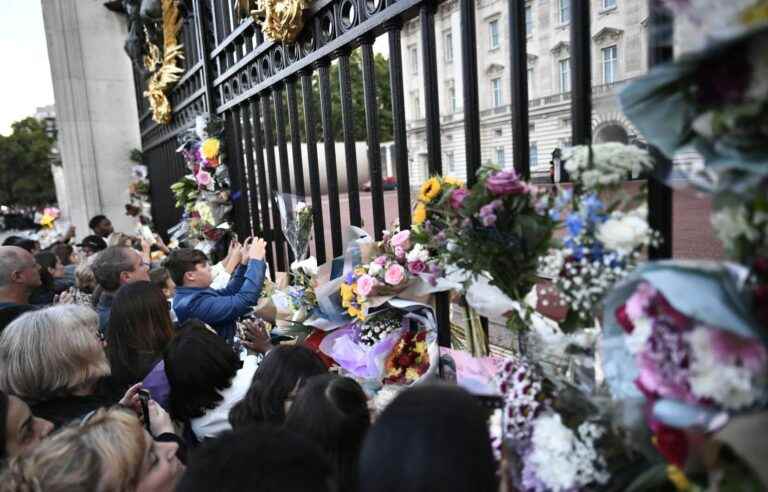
51	352
84	277
120	239
105	453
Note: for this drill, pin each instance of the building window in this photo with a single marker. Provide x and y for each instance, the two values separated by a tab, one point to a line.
414	56
450	162
530	83
565	75
498	132
528	20
493	29
566	122
564	11
500	156
416	107
609	4
610	63
453	103
496	91
448	46
533	155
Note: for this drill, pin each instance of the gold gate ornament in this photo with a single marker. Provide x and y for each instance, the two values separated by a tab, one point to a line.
164	67
281	20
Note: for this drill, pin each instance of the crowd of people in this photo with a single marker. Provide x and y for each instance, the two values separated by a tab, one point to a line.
118	373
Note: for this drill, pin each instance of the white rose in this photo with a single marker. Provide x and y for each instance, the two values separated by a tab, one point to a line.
418	253
623	234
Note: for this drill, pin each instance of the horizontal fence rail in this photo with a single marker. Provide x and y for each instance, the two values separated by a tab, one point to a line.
285	107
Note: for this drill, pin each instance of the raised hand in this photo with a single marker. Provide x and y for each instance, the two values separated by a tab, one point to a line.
257	249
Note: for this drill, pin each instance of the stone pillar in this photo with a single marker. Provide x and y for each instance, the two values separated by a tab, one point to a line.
95	108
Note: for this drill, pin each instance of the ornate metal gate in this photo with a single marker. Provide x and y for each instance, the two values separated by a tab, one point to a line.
265	93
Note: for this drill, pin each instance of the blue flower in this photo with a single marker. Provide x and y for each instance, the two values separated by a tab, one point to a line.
554	214
563	198
594	207
349	278
575	224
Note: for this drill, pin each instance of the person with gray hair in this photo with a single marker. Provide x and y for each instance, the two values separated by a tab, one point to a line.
53	359
19	275
113	268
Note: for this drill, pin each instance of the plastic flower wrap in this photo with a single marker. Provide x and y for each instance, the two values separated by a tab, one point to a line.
715	100
403	352
298	300
296	219
204	194
683	337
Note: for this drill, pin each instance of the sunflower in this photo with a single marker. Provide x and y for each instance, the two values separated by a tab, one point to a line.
419	214
210	149
429	190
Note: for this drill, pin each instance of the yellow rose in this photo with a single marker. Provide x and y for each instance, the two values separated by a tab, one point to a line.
411	374
210	148
429	190
346	293
450	180
678	478
420	348
419	214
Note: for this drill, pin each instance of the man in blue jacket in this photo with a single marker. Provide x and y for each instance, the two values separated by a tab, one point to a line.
194	299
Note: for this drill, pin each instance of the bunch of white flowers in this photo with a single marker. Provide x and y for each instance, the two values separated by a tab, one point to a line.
612	163
563	459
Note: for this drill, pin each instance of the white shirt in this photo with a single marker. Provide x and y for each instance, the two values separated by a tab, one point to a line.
216	420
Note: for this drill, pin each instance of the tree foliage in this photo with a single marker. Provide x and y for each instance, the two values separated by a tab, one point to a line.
25	170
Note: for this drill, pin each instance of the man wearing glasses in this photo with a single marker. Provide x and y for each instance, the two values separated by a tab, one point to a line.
113	268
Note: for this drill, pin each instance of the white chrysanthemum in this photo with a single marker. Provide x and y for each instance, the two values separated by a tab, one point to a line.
731	386
564	460
611	163
730	223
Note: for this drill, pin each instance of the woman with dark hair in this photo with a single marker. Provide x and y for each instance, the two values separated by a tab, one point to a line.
67	256
440	432
282	372
332	411
207	378
140	328
51	269
19	429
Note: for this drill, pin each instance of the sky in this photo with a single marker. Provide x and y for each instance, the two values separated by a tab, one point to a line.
25	83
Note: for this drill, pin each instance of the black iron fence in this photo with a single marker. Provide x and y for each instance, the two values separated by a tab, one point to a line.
273	95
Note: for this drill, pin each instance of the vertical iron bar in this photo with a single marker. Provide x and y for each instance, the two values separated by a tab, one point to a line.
240	205
581	83
471	96
431	88
269	142
314	169
374	145
326	118
519	80
293	119
398	126
660	199
253	203
267	231
282	149
350	154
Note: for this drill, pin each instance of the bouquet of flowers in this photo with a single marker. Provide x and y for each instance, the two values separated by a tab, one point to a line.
379	326
204	193
296	219
298	300
433	194
697	357
496	230
409	360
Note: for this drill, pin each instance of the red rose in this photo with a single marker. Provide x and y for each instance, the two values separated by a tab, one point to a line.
623	319
404	360
672	444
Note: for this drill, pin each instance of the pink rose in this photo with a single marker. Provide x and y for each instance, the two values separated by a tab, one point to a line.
381	260
401	239
730	348
417	266
639	302
505	182
395	274
399	252
203	178
365	285
457	197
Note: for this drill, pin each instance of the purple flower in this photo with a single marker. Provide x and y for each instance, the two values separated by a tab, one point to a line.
417	266
488	213
505	182
381	260
457	197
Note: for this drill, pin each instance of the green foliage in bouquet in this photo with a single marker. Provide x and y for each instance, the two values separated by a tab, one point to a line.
186	192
